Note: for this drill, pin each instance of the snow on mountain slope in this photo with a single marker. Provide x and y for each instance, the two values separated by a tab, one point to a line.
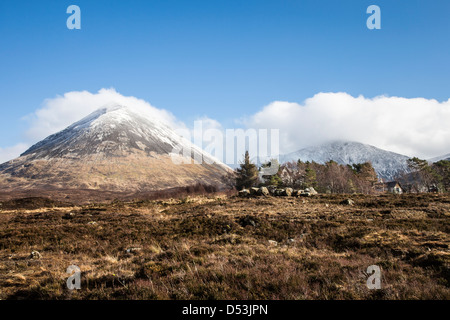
110	131
387	164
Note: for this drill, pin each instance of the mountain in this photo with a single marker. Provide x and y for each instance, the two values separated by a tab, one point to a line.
386	164
115	148
436	159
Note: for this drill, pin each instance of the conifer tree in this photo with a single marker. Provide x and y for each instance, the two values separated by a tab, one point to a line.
246	174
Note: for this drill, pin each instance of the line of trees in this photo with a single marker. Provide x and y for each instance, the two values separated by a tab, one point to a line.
426	177
332	177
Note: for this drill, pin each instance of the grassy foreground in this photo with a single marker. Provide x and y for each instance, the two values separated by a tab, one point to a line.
221	247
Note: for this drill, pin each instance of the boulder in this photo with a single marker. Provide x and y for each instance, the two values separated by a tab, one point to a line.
272	189
263	191
278	192
311	190
35	255
244	193
288	192
254	191
347	202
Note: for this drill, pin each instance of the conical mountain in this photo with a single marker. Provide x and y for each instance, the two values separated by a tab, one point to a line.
115	148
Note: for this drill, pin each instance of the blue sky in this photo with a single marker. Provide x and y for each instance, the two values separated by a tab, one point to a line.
223	59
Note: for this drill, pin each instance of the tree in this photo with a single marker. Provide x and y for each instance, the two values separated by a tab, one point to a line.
310	176
365	176
334	177
275	180
441	171
246	174
422	174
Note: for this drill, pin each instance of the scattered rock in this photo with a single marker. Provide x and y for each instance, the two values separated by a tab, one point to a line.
348	202
288	192
297	193
69	215
263	191
311	191
272	189
92	223
273	243
248	221
133	250
278	192
244	193
35	255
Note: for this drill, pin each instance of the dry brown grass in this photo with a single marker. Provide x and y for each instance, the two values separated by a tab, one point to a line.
124	173
223	248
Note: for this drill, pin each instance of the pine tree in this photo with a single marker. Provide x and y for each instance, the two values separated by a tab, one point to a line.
310	176
422	174
247	174
275	180
442	173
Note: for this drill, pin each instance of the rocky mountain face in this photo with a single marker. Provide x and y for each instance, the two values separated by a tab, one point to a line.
113	149
386	164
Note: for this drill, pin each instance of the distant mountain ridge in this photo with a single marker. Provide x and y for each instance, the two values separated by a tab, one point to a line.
436	159
387	164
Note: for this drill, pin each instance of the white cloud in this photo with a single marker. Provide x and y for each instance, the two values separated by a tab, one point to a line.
9	153
60	112
414	127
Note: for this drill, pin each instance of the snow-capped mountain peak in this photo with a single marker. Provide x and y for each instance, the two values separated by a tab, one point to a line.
114	148
111	130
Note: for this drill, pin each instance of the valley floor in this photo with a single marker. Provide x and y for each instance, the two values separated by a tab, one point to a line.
221	247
